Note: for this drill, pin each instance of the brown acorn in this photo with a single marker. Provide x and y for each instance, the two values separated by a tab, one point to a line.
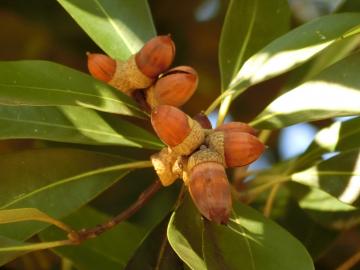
175	87
239	126
176	129
209	187
238	148
241	148
101	66
170	124
156	56
137	72
203	120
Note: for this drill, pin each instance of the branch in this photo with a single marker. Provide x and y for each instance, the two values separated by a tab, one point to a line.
88	233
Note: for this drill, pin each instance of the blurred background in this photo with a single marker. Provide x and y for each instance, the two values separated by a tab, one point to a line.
43	30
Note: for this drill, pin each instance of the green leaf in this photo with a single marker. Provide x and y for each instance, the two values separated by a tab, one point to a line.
42	83
14	247
147	255
293	49
118	27
315	237
333	92
185	234
113	249
338	176
72	124
323	208
249	25
26	214
252	242
340	136
56	181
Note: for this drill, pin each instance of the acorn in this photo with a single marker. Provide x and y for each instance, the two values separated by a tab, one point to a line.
139	71
238	148
101	66
156	56
209	187
203	120
239	126
175	87
176	129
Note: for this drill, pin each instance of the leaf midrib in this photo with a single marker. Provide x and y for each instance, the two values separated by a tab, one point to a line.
81	129
65	181
246	40
69	91
116	27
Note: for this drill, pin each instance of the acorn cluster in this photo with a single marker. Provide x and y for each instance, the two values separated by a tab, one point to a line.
146	75
195	152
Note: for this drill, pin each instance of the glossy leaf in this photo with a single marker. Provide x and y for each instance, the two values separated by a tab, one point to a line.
340	136
185	234
30	214
293	49
249	25
118	27
314	236
42	83
324	208
72	124
338	176
56	181
333	92
114	248
154	254
252	242
16	248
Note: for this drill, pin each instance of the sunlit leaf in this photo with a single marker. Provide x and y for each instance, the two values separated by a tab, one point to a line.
293	49
72	124
249	25
185	235
118	27
27	214
41	83
338	176
334	92
252	242
15	248
324	208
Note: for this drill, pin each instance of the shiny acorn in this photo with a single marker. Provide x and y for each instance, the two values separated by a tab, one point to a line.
209	187
176	129
175	87
238	148
139	71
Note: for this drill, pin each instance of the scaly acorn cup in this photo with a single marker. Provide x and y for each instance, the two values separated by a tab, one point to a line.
238	148
208	185
177	130
175	87
139	71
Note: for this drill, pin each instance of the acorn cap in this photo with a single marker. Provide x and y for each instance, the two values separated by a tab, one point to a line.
210	191
238	126
241	148
101	66
175	87
170	124
156	56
